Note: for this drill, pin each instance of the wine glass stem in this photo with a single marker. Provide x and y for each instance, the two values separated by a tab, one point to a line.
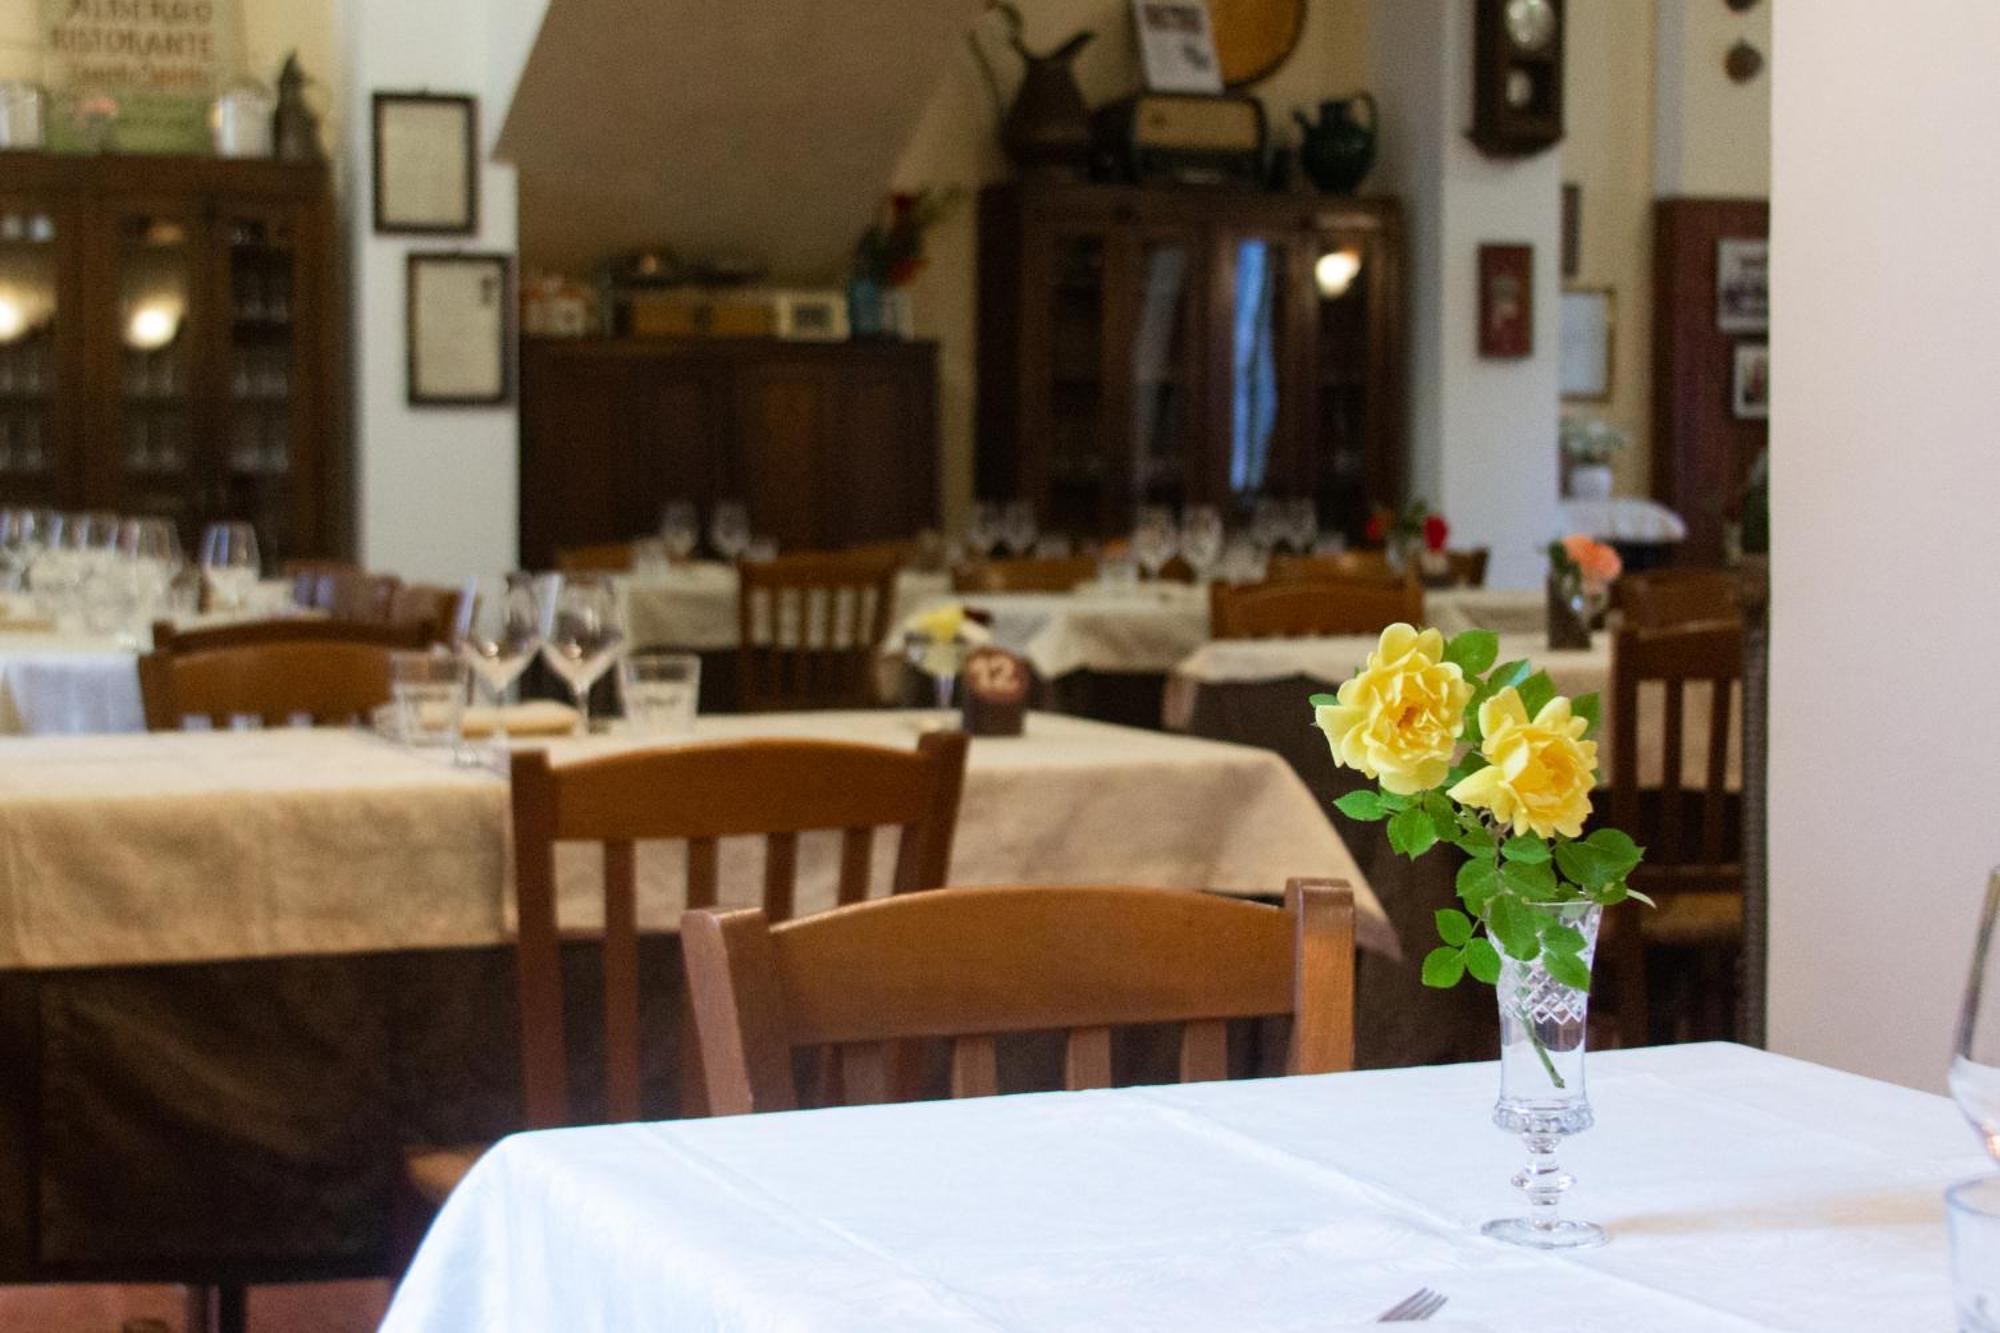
944	684
582	693
1543	1180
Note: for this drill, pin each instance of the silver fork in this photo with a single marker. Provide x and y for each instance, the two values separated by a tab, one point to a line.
1418	1306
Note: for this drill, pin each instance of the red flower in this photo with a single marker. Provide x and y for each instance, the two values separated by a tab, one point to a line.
1436	530
1378	526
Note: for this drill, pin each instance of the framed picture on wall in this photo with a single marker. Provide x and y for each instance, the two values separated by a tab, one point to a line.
1589	321
425	171
1572	231
1750	383
460	329
1506	301
1177	46
1742	285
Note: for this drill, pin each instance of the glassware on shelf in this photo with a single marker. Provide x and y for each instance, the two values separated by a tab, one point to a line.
230	564
660	692
983	529
1975	1061
1154	539
1019	526
729	529
1304	525
680	529
497	631
581	634
1269	524
1202	539
1543	1024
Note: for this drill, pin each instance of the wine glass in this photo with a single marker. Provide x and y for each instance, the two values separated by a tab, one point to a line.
152	550
230	563
1154	539
581	635
1303	527
679	529
1269	525
497	631
1018	527
729	529
18	529
983	529
1202	538
1975	1064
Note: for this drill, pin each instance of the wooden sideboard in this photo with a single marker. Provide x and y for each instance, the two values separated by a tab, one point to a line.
829	444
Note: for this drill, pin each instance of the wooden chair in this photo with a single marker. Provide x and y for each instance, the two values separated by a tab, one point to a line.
305	576
697	794
609	558
330	679
432	608
1357	564
970	964
255	633
1664	597
1693	835
809	629
1303	607
1030	574
1464	569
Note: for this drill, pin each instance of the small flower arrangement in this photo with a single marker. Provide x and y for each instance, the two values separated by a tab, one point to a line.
1592	442
1494	762
939	638
1583	568
1413	527
891	252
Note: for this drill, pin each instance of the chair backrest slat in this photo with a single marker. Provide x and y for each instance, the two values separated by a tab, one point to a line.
1302	607
1027	574
975	1070
810	626
857	860
1663	598
621	981
702	872
1672	751
983	962
781	874
1722	705
330	675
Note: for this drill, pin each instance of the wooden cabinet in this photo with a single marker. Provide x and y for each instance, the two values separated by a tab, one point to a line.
830	444
1188	346
164	343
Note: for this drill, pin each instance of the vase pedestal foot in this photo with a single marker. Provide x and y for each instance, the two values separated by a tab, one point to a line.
1558	1235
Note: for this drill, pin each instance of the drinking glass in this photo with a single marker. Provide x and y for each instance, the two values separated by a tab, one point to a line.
230	563
581	635
761	550
650	559
1202	538
497	631
1304	525
1269	525
18	529
427	692
1154	539
729	529
1975	1062
1973	1210
660	692
679	529
940	659
983	529
1018	527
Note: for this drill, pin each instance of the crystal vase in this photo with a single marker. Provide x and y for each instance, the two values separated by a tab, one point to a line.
1542	1096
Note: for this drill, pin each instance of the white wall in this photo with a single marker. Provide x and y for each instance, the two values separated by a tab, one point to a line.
1482	432
1885	737
436	487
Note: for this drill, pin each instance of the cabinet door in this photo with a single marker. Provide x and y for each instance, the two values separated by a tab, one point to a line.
787	418
1353	430
1161	346
1071	386
1259	358
41	345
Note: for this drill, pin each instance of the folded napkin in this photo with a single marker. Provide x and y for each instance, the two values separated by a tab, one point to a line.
539	717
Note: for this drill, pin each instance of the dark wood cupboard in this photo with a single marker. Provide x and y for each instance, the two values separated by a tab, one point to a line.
829	444
165	343
1188	346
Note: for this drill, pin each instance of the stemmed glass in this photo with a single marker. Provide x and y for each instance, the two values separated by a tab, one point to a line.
941	660
230	563
497	632
18	532
679	529
1973	1206
1269	524
1304	525
1154	539
1018	527
1202	539
152	551
581	635
983	529
729	530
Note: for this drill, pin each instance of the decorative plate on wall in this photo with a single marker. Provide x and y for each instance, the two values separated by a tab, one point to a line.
1254	37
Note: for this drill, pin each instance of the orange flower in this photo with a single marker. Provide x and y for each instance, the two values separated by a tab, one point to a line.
1598	562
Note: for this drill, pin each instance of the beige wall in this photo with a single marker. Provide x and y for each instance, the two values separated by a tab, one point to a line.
956	143
1713	135
1608	153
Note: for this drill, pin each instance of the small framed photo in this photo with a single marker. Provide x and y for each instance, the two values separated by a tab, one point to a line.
1589	324
1506	301
426	164
1750	384
811	316
460	329
1177	46
1742	285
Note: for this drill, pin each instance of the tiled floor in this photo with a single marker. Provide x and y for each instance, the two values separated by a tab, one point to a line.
330	1307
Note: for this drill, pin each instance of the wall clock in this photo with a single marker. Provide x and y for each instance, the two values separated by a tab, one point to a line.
1517	76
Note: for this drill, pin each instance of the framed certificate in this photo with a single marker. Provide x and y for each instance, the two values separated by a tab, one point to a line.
461	329
426	170
1589	323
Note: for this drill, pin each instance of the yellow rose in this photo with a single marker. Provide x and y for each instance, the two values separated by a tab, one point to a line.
941	625
1398	720
1540	772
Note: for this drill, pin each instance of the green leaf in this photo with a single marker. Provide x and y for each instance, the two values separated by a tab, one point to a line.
1535	882
1412	833
1514	925
1323	700
1638	897
1454	926
1619	848
1525	850
1362	804
1590	708
1483	960
1443	815
1567	968
1478	880
1610	895
1536	691
1588	865
1512	674
1394	801
1443	967
1473	842
1559	938
1473	650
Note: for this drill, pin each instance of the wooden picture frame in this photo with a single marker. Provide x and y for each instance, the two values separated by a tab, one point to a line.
1572	231
1743	284
460	326
1506	301
1584	370
424	169
1750	382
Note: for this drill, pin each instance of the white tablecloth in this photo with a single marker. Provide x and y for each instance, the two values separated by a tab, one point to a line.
1623	518
1743	1192
55	683
693	607
184	846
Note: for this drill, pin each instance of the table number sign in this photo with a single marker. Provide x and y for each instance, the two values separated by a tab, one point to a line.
995	693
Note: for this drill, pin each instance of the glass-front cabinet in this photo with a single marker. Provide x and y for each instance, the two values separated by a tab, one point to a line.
163	343
1169	347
